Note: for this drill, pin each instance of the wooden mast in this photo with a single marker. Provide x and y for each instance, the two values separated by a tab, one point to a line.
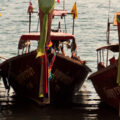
45	9
49	24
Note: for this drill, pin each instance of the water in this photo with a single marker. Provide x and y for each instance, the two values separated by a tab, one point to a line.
90	32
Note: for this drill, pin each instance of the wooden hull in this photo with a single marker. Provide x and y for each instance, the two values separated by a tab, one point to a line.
105	84
23	74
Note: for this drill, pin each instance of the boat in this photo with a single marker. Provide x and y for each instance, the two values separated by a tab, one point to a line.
105	78
23	72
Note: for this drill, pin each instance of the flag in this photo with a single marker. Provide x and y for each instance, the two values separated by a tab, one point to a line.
74	11
58	1
30	8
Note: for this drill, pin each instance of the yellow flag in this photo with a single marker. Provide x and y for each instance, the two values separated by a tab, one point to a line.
74	11
0	14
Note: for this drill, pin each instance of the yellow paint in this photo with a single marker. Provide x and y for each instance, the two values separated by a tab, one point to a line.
74	11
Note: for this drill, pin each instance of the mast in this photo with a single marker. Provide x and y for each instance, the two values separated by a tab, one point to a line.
30	11
45	9
63	4
108	32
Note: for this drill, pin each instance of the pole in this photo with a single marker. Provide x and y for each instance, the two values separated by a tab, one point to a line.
29	22
108	32
73	24
107	58
63	4
108	24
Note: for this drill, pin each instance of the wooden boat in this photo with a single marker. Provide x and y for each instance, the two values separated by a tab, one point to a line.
105	78
23	72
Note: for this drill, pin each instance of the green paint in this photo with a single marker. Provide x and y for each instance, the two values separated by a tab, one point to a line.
46	6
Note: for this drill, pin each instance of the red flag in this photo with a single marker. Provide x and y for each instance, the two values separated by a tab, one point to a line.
58	1
30	8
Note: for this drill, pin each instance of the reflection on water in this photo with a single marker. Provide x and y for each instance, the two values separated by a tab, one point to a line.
86	106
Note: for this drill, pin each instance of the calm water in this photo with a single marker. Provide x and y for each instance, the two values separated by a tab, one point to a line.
90	32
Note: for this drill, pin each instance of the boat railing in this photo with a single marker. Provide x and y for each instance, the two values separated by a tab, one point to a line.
25	44
60	13
105	58
59	39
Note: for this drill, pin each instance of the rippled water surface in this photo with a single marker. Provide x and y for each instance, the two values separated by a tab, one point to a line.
90	32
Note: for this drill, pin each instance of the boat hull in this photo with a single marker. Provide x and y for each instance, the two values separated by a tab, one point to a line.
105	84
23	74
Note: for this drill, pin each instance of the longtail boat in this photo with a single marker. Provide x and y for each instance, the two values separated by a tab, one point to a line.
23	72
105	79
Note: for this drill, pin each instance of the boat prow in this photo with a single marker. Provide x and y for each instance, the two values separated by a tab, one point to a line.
23	74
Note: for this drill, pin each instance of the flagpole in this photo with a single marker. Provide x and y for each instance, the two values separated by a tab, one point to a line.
73	24
45	10
74	14
108	24
108	31
30	11
63	4
29	22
